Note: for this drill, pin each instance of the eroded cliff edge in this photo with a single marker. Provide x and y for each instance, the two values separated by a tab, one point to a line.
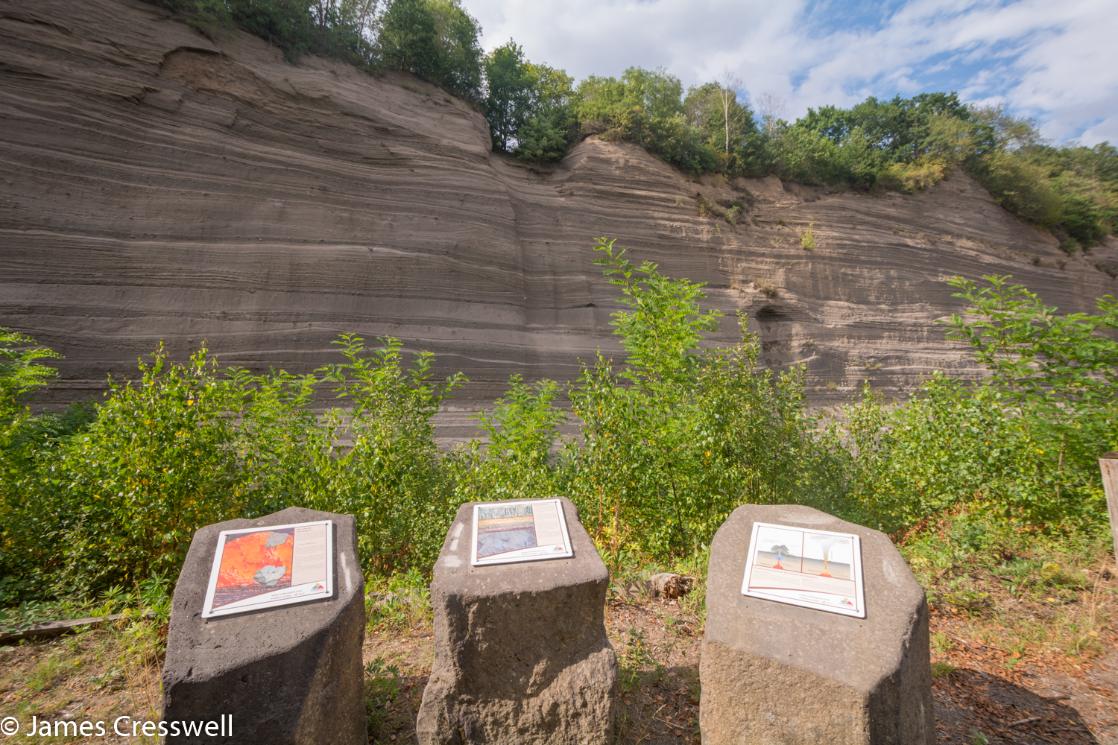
157	184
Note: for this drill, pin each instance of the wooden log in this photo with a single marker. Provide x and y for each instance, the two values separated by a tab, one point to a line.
1109	465
56	628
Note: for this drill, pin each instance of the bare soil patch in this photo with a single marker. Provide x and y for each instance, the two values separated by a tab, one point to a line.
984	692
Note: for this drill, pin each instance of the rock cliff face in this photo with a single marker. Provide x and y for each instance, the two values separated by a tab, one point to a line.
158	184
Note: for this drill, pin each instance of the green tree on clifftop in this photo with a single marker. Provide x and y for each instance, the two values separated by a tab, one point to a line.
528	106
436	40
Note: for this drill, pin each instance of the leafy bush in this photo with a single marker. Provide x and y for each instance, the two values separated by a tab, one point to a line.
154	465
806	156
912	177
1021	187
522	430
671	439
390	476
680	435
724	124
528	106
807	237
1021	445
645	107
436	40
21	440
190	444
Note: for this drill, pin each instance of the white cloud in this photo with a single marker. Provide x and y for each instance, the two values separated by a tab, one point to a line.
1055	61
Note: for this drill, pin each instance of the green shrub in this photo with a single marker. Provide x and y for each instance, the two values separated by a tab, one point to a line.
517	463
672	438
912	177
807	237
436	40
680	435
1021	445
154	465
189	444
21	442
1022	187
390	476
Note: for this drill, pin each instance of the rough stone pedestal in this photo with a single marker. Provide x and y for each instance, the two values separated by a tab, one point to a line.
521	654
780	674
287	675
1109	465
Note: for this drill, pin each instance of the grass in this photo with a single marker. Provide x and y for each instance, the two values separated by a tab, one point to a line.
95	675
52	670
942	669
402	601
807	237
1017	596
1017	634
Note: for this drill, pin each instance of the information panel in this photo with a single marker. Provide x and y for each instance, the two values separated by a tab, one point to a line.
256	568
530	530
811	568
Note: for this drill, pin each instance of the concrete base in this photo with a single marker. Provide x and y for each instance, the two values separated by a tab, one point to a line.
288	675
521	654
786	675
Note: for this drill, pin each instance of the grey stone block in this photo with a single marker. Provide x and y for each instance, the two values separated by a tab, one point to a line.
1109	465
291	674
777	674
521	653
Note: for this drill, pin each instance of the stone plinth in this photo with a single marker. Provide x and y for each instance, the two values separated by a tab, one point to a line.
521	654
786	675
287	675
1109	465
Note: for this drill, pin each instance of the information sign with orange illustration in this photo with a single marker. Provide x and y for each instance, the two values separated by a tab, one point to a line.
256	568
817	569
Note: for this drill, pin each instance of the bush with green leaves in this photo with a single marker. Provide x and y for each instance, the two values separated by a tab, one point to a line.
22	439
111	501
155	464
528	106
645	107
670	439
1021	444
436	40
389	474
681	434
516	461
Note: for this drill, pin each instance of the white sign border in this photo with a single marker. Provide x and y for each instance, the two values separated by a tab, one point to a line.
215	571
568	551
860	596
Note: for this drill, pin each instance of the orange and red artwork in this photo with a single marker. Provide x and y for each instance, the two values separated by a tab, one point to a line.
254	564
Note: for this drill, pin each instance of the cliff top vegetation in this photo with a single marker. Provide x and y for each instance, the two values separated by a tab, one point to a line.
537	112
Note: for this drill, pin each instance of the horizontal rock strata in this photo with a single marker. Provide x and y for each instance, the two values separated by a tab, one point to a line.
160	184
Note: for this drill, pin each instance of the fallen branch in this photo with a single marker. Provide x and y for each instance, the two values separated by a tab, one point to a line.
54	629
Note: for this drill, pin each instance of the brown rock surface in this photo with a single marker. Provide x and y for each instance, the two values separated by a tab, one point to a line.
521	652
778	673
161	185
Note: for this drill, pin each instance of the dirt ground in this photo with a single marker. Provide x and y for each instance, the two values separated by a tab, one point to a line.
983	693
979	699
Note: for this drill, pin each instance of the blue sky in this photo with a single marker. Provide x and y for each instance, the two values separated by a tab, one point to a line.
1054	61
